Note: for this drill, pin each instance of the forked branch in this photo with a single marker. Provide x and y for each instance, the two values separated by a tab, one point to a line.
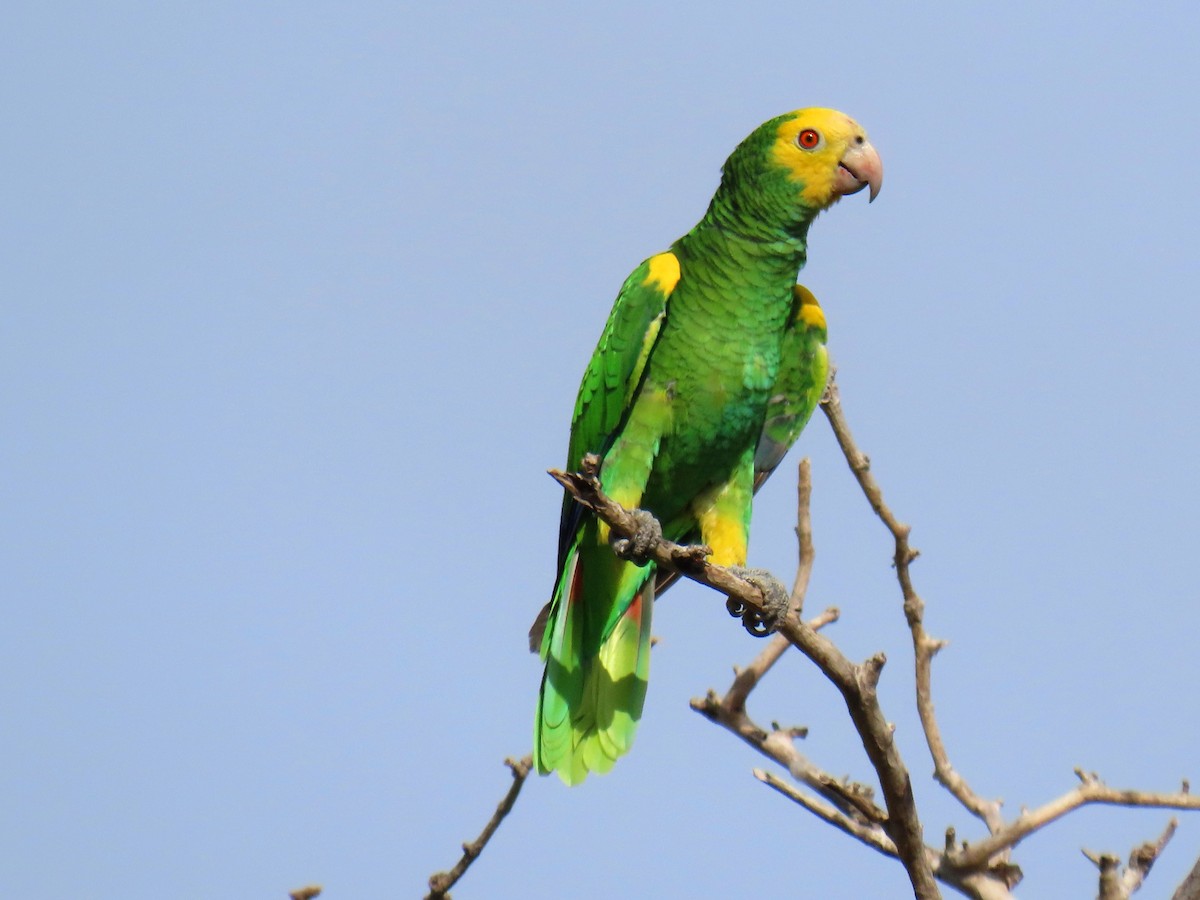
856	682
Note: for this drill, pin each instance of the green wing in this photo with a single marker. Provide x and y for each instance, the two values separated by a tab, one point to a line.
595	633
803	376
609	385
614	373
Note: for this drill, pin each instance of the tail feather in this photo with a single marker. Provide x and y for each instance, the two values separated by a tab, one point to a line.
590	703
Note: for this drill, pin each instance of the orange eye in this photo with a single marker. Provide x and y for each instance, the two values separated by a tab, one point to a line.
808	139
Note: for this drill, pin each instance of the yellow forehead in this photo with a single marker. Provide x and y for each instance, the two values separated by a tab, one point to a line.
835	126
816	169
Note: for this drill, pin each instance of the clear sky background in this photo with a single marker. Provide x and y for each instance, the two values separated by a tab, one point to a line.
296	300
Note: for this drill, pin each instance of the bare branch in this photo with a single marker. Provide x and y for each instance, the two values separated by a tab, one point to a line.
441	882
729	712
924	646
743	684
857	686
988	885
1144	856
1091	790
857	683
870	833
981	869
804	537
1118	885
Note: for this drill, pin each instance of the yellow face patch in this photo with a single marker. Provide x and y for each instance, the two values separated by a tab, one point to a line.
664	272
813	161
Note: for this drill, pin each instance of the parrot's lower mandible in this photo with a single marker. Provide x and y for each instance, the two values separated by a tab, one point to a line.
711	362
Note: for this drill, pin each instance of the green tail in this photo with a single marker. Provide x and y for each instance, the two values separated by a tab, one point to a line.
597	667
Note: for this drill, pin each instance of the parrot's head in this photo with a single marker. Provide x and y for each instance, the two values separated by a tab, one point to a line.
798	164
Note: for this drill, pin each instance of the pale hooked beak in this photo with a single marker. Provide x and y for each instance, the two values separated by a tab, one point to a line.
859	166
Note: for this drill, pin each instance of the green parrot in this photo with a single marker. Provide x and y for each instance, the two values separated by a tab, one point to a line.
711	362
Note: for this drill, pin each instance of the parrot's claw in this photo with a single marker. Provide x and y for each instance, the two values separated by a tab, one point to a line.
760	624
639	547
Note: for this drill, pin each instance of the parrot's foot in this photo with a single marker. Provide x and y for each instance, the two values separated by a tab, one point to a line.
760	624
638	548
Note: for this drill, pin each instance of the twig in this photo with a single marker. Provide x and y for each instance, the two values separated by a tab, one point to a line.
806	552
441	882
1090	790
1118	885
985	885
924	646
1189	888
779	743
743	684
870	833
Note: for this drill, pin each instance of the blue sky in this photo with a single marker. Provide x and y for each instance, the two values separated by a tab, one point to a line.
296	300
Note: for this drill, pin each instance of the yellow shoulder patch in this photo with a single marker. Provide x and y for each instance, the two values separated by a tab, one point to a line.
663	272
809	312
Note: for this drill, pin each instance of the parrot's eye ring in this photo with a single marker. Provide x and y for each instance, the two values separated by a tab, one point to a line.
808	139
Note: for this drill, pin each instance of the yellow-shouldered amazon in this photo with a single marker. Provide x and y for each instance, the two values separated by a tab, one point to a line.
711	362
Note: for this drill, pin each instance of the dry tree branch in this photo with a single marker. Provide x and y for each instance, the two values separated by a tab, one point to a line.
980	870
743	684
987	884
806	552
870	833
851	806
851	799
1090	790
1118	885
924	646
441	882
992	851
856	682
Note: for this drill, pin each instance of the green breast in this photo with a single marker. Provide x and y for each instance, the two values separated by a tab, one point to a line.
718	355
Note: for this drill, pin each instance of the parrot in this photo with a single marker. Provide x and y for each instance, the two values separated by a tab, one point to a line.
710	363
